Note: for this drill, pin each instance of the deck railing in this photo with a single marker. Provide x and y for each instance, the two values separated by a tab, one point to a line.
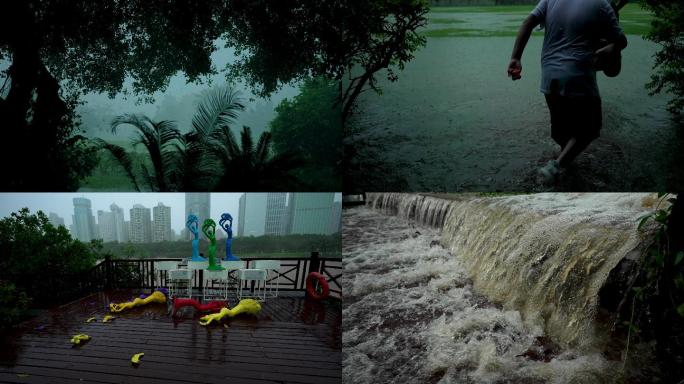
142	274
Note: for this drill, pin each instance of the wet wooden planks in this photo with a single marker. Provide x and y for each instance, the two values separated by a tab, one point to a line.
273	348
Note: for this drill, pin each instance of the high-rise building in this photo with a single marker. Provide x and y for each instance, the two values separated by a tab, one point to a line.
127	230
199	204
312	213
252	214
84	222
141	225
121	235
276	214
105	225
56	220
161	224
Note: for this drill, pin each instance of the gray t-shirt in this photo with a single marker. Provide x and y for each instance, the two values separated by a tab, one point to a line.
573	31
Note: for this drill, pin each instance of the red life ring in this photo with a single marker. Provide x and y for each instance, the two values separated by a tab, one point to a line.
311	291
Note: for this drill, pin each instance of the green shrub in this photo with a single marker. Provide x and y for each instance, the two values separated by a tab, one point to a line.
13	304
42	260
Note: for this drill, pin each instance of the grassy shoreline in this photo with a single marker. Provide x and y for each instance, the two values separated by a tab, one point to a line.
633	19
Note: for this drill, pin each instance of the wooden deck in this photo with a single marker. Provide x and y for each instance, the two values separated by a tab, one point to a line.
293	340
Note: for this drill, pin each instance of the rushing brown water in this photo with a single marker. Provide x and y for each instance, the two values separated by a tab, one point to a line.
481	290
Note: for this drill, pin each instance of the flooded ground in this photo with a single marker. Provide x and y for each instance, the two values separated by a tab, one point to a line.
410	315
455	121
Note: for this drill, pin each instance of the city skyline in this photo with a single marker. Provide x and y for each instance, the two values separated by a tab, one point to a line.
61	204
277	213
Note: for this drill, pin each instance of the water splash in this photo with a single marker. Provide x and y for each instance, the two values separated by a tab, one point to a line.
513	269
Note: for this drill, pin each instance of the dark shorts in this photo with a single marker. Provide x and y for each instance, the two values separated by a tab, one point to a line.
578	117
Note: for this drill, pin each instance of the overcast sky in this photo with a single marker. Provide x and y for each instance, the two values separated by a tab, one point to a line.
62	204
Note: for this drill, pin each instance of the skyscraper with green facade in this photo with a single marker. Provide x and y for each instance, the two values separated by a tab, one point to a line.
312	213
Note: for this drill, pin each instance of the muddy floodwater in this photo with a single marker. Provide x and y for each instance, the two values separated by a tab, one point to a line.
413	312
455	121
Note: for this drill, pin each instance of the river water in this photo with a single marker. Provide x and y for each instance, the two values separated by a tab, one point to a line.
454	121
432	291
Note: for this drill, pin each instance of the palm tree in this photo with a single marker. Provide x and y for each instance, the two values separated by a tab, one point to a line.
249	167
207	157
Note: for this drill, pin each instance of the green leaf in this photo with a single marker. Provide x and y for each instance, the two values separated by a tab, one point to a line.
643	220
661	216
679	281
680	309
679	257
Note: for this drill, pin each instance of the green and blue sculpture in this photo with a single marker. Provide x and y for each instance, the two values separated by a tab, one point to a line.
192	224
226	223
209	230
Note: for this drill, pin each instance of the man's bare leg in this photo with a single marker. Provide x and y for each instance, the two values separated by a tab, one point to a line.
571	150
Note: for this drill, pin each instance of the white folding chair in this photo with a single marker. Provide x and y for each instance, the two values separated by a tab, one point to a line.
233	268
198	266
219	285
161	267
272	268
256	275
180	282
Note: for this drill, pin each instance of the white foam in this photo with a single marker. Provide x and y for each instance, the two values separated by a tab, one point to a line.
412	316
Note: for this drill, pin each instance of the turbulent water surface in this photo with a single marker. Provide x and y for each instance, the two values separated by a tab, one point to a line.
455	122
417	312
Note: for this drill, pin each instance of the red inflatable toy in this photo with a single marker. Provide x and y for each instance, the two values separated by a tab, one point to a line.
212	306
322	283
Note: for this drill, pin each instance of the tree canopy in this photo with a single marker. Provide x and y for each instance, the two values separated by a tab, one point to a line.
667	29
60	50
308	125
348	41
39	258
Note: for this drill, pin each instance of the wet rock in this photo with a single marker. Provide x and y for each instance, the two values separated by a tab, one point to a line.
543	349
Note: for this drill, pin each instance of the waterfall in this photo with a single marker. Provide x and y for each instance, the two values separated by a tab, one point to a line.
548	256
423	209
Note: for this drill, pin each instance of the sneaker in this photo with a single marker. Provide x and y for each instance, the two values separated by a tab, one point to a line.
550	171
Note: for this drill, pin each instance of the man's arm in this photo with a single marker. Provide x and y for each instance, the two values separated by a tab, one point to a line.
515	67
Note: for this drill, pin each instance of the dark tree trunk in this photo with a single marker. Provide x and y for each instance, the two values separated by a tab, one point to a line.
33	111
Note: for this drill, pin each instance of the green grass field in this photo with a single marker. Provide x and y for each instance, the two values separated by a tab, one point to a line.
633	19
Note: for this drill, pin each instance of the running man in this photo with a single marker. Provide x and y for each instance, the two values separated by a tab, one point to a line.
571	55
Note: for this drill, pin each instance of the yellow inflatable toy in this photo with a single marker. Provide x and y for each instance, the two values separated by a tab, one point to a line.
108	318
90	320
250	306
76	340
158	296
136	358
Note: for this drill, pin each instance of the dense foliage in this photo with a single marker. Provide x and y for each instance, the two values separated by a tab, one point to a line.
249	246
13	303
208	157
40	260
61	50
657	292
667	29
296	39
309	125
